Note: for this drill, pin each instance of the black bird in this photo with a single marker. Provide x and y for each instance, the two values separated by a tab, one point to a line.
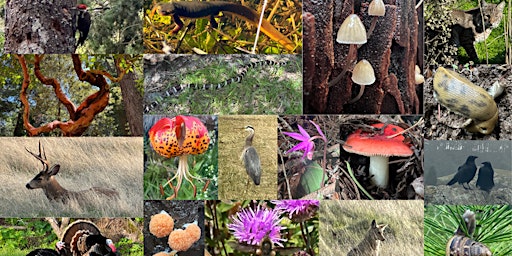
43	252
465	173
49	252
485	179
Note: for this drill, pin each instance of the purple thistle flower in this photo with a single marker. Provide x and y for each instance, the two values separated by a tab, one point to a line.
306	143
298	210
251	227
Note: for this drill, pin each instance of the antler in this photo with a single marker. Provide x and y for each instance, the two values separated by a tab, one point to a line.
41	157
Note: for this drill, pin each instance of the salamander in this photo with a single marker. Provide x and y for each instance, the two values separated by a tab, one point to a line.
196	9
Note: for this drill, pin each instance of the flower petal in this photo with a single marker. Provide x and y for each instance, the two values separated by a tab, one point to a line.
309	150
319	130
296	136
303	132
301	146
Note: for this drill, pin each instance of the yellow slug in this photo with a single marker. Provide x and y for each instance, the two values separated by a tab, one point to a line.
462	96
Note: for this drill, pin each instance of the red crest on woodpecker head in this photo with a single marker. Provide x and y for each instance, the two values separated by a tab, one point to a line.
81	6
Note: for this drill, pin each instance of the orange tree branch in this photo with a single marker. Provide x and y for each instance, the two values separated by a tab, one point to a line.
31	130
80	119
97	101
55	84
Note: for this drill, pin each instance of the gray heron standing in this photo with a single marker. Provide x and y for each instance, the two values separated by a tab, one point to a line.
251	158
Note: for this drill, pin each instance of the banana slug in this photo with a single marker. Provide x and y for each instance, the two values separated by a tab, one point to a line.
462	96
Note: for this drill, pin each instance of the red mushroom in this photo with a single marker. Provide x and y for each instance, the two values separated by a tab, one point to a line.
379	147
180	136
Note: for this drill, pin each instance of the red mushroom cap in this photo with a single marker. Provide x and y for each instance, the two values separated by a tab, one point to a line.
178	136
377	143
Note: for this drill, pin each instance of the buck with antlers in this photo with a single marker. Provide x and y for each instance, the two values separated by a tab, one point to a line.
53	190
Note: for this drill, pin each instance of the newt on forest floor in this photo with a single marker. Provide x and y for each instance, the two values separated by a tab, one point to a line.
204	9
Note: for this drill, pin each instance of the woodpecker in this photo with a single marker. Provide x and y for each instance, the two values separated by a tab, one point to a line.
83	23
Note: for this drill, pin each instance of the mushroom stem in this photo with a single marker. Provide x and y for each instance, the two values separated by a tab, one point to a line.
379	170
372	26
358	96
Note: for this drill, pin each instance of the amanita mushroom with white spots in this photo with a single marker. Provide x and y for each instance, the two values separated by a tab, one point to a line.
379	147
180	136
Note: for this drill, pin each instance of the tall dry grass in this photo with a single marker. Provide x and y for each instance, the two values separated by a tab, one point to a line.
85	162
343	224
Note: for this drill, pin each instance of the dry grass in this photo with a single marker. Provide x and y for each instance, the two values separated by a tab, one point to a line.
232	175
109	162
343	225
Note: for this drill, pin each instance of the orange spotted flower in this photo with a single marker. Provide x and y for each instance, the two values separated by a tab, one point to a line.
180	136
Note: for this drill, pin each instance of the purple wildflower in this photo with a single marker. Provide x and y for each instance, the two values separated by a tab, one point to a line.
306	143
251	227
298	210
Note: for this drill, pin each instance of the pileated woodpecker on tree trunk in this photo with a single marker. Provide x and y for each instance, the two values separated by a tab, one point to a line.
83	23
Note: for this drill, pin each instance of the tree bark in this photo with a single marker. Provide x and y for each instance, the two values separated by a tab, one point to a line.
132	101
38	27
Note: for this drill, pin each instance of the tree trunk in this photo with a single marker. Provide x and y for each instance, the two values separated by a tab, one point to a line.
38	27
132	101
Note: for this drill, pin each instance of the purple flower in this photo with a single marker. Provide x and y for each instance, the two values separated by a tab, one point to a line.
298	210
252	227
306	143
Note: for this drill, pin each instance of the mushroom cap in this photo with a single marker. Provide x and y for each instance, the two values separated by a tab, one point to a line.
418	77
377	8
181	135
351	31
377	144
161	225
181	240
363	73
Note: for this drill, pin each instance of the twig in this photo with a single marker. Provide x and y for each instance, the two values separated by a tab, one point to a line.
406	130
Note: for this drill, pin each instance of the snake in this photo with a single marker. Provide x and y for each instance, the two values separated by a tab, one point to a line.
175	90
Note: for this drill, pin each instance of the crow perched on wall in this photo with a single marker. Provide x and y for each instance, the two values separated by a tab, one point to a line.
485	179
465	173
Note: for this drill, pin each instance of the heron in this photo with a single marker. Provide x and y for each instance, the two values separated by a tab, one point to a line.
251	157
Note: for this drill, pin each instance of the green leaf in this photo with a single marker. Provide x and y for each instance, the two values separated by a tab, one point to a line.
311	181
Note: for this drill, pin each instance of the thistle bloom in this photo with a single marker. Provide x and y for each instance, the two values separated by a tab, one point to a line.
306	143
251	227
298	210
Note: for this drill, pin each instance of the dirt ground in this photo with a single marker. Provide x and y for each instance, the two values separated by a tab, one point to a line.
233	179
446	128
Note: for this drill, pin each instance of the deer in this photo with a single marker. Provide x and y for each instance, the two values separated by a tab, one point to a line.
53	190
371	241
